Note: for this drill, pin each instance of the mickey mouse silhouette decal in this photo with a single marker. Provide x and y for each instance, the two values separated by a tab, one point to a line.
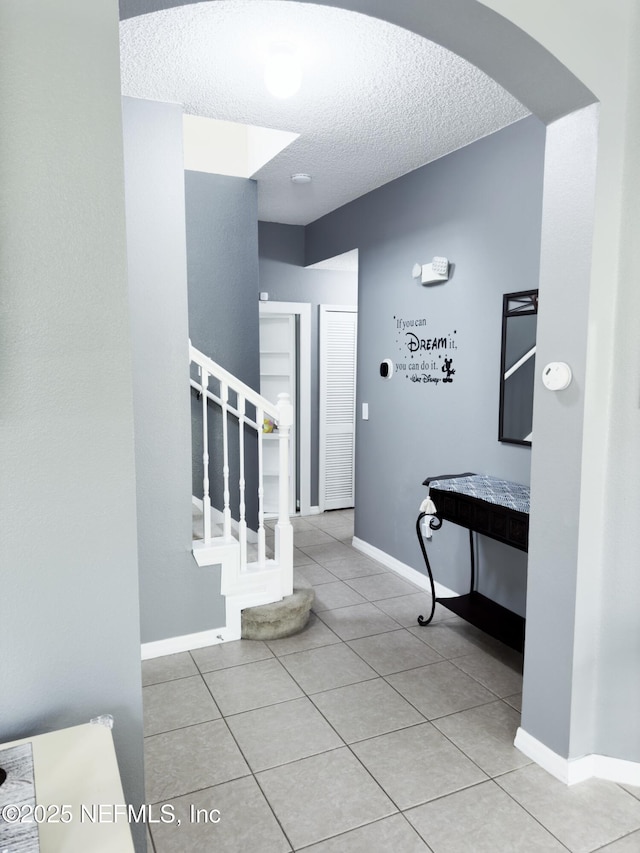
446	368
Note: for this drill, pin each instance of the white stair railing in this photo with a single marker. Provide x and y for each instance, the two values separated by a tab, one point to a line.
235	418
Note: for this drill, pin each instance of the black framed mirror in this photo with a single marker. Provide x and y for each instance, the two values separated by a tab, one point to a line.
517	367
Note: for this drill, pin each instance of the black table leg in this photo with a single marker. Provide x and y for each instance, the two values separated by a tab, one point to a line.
435	523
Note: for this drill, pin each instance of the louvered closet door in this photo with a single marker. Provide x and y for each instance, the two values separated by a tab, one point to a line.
338	332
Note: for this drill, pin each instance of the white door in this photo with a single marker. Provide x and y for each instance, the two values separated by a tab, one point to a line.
277	375
338	339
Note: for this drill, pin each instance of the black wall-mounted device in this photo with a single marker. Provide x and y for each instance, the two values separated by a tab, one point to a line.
386	368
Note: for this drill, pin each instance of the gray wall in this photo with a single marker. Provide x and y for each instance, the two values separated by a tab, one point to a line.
481	208
69	603
560	641
176	596
222	264
284	277
618	707
222	269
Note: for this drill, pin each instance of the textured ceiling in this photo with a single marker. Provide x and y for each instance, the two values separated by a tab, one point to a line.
376	101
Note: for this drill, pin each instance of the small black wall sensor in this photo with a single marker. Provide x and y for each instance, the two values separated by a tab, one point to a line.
386	368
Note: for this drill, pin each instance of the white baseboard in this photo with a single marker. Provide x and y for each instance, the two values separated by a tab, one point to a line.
402	569
185	643
314	510
617	770
574	770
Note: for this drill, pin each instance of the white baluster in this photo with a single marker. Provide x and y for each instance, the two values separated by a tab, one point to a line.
262	551
242	525
226	512
284	530
206	499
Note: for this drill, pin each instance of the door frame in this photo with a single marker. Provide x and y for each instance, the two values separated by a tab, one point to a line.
322	319
303	311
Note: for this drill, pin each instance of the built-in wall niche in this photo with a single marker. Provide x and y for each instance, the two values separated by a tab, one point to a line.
517	367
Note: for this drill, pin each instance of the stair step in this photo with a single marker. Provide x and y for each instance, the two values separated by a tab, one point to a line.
215	551
280	619
217	534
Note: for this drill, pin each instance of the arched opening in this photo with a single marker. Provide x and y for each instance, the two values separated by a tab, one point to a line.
568	109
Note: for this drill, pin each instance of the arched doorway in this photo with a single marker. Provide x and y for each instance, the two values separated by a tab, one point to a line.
568	108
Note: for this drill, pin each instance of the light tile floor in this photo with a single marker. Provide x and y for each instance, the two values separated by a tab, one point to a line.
364	732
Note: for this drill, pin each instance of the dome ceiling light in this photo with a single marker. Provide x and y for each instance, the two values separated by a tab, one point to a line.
283	71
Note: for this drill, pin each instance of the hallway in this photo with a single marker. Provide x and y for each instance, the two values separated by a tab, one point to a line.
363	733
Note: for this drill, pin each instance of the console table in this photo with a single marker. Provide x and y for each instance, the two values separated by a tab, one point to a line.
491	506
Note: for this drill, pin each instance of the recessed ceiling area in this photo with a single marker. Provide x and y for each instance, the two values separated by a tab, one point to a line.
228	147
346	262
376	101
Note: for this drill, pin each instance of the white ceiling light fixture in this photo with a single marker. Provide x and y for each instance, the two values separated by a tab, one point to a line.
301	178
283	71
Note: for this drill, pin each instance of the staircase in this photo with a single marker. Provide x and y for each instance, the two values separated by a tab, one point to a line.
251	575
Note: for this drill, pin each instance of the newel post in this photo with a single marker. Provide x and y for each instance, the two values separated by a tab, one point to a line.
284	530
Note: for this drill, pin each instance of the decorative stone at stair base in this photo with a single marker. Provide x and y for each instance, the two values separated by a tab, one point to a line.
280	619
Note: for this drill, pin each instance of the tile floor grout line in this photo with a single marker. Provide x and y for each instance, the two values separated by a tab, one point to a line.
295	651
255	778
524	808
213	698
450	657
444	797
462	710
370	737
151	838
319	613
200	790
477	680
316	692
622	785
390	631
169	680
613	841
236	665
182	728
269	704
347	831
366	636
429	719
375	781
323	752
481	683
275	816
444	734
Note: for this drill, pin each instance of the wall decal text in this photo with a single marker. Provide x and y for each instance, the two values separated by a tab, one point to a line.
425	357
